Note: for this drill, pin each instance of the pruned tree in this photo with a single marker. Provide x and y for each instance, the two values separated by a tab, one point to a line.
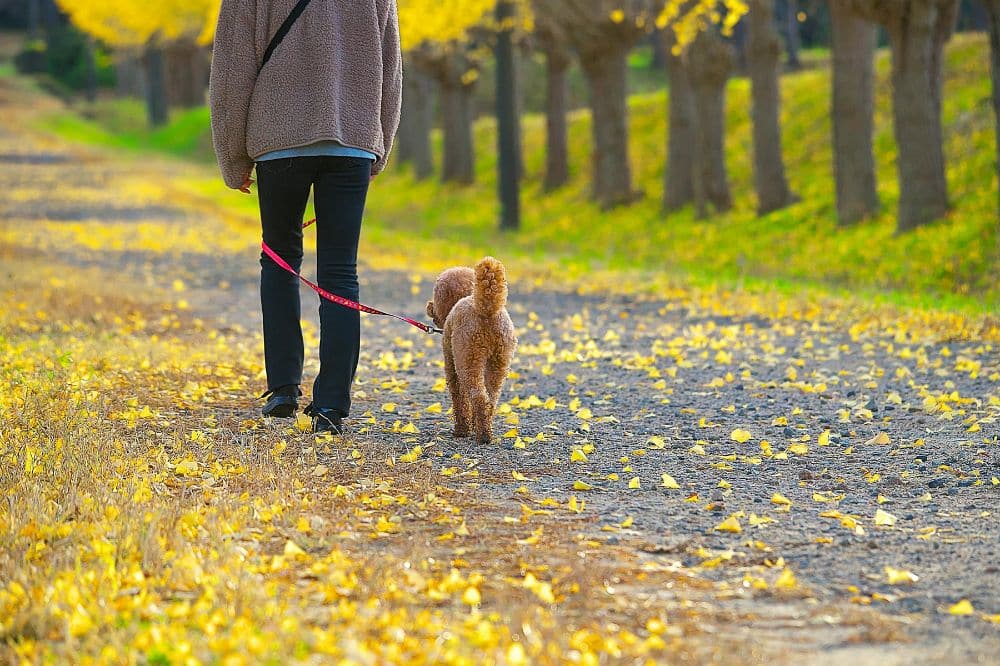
187	66
695	125
763	59
416	122
602	32
918	31
455	71
853	113
710	62
508	117
682	129
553	43
793	40
436	35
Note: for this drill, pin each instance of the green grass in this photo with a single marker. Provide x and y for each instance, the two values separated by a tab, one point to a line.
121	124
952	263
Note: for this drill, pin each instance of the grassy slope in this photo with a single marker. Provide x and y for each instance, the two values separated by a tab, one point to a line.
952	263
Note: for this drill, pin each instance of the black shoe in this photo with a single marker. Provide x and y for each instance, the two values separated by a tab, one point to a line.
283	402
325	420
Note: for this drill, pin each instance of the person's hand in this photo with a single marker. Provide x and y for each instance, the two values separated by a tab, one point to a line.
371	179
247	182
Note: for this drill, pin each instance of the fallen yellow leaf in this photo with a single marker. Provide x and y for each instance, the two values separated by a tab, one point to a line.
963	607
740	435
896	576
778	498
880	438
786	581
884	518
730	524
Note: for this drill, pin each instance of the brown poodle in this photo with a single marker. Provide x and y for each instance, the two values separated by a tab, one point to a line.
479	344
451	286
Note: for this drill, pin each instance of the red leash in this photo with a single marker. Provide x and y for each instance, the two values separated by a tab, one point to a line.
340	300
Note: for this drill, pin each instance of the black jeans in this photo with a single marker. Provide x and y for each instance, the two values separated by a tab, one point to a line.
340	187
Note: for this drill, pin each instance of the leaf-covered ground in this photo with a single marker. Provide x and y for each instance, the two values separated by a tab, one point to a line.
694	475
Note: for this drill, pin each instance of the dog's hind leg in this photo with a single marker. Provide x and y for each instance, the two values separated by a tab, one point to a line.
496	373
471	370
458	402
482	413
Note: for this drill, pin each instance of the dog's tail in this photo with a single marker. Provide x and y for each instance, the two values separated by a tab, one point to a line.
489	294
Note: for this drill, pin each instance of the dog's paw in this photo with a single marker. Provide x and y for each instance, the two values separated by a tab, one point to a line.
484	437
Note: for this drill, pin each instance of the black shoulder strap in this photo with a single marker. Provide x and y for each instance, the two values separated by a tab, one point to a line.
283	31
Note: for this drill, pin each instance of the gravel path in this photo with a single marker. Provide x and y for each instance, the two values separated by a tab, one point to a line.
854	423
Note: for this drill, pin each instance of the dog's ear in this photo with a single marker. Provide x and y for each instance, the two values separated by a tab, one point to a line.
430	311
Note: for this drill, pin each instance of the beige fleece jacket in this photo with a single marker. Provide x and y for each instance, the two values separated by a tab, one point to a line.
337	76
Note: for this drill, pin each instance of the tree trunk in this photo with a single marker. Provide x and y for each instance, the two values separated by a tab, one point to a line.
764	54
508	137
606	74
739	42
403	147
556	131
678	186
423	159
793	41
853	113
918	38
129	74
34	19
658	41
710	62
993	11
91	58
156	96
187	67
459	164
417	121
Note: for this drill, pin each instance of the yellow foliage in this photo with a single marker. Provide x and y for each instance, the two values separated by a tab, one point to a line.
130	23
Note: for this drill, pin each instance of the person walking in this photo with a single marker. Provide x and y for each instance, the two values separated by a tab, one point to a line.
309	92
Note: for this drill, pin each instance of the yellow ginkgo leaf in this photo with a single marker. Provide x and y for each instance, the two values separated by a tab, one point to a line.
740	435
471	597
582	485
779	499
292	549
669	482
884	518
880	438
786	580
389	407
963	607
634	483
578	456
656	442
730	524
896	576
